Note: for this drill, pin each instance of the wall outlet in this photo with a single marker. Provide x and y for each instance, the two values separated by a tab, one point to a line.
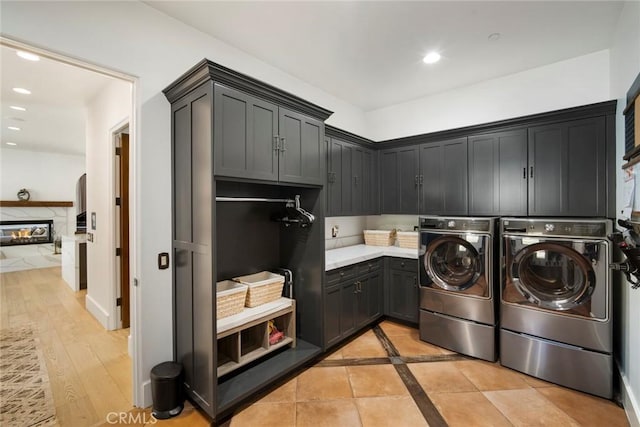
334	231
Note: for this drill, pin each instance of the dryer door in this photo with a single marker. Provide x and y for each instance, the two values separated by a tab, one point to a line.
557	275
456	263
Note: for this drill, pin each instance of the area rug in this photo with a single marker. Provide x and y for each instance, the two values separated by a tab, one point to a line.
25	392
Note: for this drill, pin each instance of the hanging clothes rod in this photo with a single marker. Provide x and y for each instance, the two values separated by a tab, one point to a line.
253	199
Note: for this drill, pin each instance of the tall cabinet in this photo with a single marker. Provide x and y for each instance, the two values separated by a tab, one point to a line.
233	135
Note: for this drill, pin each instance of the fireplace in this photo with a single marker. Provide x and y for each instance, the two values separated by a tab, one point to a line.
26	232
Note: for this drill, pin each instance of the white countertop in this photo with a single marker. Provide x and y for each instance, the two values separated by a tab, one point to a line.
341	257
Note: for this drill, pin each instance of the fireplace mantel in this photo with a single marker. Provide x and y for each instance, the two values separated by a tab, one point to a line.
34	204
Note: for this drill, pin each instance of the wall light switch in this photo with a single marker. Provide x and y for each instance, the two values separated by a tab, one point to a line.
90	237
334	231
163	261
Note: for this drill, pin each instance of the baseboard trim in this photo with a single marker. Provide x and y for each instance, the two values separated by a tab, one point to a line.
147	400
97	311
629	401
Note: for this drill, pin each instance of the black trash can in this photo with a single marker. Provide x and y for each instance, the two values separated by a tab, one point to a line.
166	390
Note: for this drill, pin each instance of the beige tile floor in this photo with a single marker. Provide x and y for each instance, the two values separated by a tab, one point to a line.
466	392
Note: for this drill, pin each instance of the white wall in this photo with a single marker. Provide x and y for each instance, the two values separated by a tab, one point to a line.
108	110
625	66
577	81
47	176
140	41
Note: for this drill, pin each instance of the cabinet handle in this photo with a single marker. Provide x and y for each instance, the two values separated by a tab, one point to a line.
524	173
417	180
284	144
421	179
531	172
415	282
276	142
402	264
342	274
355	180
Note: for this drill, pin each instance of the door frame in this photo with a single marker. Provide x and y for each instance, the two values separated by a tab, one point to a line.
135	343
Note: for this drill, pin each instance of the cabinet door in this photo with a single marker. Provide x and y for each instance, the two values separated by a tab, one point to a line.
346	183
432	199
301	148
245	128
389	183
348	308
399	180
373	296
443	177
413	297
339	190
454	177
357	180
332	316
398	294
498	173
567	168
330	179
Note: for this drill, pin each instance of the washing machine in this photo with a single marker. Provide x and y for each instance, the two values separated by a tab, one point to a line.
556	302
457	288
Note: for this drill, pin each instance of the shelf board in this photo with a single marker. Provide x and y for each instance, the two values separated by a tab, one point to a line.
252	316
34	204
232	390
251	356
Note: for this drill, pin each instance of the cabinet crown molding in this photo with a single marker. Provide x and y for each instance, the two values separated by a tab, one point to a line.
207	70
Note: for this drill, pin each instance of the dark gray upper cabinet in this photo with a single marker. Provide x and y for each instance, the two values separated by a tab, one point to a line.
256	139
443	177
245	132
302	158
350	179
567	168
399	180
498	173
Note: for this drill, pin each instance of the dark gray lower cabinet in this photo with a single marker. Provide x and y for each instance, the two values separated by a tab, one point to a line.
354	302
402	289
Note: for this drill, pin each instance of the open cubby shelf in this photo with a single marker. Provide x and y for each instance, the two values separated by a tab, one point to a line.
244	337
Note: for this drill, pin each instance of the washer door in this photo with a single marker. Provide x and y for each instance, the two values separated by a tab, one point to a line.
553	276
452	263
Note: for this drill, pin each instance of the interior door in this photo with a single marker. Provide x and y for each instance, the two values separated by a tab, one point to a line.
122	202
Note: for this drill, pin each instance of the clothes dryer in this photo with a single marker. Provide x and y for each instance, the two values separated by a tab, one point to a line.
556	303
457	289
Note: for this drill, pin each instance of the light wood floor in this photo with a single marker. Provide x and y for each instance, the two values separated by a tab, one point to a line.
89	367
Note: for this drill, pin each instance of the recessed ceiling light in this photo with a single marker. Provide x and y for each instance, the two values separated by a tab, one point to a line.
494	36
15	107
28	55
431	58
11	143
22	90
13	128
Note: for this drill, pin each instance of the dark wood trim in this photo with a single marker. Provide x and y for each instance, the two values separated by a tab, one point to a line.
574	113
343	135
633	153
206	70
124	230
632	94
30	204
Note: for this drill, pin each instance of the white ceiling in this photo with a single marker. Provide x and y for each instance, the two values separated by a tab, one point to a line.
369	53
56	109
366	53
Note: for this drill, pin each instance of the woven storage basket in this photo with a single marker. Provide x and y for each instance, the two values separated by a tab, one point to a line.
379	237
263	287
408	239
230	298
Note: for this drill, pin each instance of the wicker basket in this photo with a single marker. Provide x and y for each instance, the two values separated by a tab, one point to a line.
379	237
230	298
263	287
408	239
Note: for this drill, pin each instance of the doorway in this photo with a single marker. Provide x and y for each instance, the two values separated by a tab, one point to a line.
121	175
